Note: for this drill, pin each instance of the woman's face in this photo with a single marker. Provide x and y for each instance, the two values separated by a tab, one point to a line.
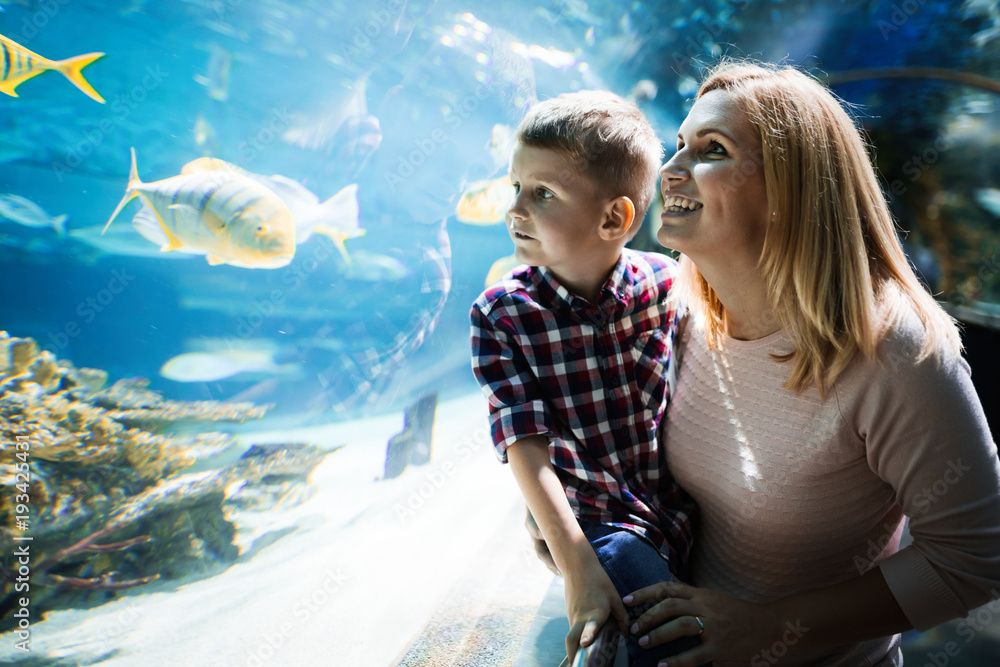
715	201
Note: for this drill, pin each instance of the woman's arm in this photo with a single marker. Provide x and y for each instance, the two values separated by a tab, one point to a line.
590	595
856	610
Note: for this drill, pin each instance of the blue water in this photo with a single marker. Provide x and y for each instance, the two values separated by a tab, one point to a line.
235	79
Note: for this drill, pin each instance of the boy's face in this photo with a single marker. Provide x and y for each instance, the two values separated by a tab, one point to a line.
556	213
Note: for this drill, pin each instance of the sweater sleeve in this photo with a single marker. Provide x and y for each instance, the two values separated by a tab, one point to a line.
517	405
926	435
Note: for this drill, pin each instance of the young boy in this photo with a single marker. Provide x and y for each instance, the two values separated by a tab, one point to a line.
573	352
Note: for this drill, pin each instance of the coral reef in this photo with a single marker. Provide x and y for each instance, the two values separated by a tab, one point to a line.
104	464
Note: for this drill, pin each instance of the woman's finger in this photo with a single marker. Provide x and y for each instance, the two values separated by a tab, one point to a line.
661	613
658	592
682	626
699	655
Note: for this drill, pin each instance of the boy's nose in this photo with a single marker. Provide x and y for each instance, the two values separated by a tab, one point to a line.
514	210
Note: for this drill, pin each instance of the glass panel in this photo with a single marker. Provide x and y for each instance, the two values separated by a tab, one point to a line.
243	398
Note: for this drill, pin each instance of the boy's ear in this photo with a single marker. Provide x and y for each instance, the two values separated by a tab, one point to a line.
618	218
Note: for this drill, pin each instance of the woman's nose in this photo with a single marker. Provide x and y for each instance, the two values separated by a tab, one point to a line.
675	169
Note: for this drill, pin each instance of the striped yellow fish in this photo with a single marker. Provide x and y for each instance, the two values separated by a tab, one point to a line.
485	202
231	218
19	64
500	268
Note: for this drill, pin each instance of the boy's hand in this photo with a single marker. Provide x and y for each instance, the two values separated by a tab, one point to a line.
541	546
590	599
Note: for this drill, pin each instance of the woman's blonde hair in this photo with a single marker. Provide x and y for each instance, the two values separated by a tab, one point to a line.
836	273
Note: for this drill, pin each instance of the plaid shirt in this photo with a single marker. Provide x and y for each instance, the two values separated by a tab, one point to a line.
594	381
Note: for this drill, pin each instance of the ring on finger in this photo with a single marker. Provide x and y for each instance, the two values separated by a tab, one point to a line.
701	625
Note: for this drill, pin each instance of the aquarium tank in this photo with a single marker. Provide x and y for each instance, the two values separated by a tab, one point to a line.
239	241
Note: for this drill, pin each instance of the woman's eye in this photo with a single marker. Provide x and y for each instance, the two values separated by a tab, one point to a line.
715	148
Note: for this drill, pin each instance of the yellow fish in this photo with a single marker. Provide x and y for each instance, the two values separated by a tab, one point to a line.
336	218
500	268
485	202
231	218
19	64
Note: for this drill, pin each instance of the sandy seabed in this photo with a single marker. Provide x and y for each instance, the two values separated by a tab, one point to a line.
349	577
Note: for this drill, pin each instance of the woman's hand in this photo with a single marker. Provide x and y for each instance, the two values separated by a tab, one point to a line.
733	629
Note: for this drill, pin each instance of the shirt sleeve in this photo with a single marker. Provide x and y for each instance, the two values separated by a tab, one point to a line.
927	436
517	407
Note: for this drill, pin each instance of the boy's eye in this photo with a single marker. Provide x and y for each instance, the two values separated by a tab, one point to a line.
542	193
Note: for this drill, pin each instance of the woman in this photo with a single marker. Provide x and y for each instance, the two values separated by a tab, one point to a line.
821	397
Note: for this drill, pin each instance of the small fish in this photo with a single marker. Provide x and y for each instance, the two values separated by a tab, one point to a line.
231	218
216	77
121	240
501	144
336	218
643	91
212	366
988	198
19	64
356	140
204	135
500	268
317	130
26	212
485	202
375	268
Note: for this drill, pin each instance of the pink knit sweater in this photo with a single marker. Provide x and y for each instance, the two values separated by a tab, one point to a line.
798	493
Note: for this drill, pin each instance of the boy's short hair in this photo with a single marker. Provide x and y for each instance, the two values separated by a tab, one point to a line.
606	137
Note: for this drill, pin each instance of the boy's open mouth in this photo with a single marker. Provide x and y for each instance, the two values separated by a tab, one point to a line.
676	204
519	235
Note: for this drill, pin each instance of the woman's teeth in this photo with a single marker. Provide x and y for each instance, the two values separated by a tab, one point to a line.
680	204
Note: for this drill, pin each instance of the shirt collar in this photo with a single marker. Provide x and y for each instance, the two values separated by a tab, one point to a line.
616	289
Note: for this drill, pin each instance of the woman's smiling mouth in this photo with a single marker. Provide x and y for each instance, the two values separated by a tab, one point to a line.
675	204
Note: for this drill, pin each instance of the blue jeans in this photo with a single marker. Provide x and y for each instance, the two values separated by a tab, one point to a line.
633	563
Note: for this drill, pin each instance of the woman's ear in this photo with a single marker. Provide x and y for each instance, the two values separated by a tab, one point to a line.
618	218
